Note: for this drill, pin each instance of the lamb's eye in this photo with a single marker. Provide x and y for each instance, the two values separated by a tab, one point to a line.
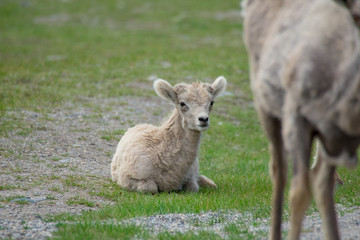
211	105
182	104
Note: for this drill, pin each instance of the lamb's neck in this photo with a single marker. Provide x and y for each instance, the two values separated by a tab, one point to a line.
186	139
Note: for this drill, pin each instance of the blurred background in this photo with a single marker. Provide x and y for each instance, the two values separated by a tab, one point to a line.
53	51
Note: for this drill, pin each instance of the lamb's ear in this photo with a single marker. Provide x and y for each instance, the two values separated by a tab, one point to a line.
218	86
165	90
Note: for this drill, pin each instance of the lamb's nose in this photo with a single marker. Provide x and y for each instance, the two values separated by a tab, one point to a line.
203	119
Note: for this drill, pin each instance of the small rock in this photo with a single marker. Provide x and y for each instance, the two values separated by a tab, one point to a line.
66	160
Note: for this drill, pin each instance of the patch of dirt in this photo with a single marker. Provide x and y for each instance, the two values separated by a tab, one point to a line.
48	170
216	222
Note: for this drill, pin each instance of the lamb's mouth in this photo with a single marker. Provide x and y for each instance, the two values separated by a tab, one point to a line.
202	127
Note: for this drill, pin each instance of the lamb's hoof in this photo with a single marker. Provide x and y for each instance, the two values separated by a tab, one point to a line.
191	187
206	182
147	187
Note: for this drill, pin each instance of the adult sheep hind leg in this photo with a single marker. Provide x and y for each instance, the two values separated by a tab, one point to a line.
323	185
337	177
297	135
277	168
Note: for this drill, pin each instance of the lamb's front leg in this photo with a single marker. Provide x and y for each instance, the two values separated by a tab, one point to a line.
194	181
191	186
190	182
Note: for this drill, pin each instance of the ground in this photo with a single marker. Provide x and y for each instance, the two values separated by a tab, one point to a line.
60	163
49	170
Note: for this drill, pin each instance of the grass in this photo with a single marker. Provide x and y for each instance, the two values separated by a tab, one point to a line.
80	201
114	135
7	187
102	231
75	181
60	52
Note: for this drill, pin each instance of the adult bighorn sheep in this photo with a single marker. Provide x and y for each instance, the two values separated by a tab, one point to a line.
305	75
150	159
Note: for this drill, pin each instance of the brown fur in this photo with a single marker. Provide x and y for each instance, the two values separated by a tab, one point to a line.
305	75
164	158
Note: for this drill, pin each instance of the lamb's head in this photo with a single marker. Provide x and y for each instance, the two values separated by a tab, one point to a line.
192	101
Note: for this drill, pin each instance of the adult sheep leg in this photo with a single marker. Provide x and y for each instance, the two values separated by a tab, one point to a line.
337	177
298	139
277	167
323	185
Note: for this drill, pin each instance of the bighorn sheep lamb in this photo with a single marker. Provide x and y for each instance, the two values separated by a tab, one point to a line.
305	75
150	159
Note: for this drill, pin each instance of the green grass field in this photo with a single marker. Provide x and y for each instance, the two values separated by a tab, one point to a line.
58	52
